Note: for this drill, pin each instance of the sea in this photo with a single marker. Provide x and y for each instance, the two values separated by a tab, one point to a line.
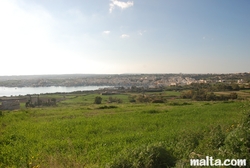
16	91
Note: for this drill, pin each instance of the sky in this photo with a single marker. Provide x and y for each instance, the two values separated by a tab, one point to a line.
124	36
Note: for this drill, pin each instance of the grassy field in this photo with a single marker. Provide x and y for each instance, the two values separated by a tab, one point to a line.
78	133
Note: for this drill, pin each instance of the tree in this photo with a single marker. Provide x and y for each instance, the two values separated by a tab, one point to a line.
210	96
98	100
235	87
188	94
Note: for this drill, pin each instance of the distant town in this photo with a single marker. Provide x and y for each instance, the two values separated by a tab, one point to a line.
123	80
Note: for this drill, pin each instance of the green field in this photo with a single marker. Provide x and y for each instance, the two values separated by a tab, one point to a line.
79	133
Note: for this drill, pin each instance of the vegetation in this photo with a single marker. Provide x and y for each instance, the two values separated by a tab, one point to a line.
98	100
112	100
203	95
155	156
89	130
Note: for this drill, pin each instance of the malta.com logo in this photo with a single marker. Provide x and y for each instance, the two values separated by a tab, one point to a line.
210	161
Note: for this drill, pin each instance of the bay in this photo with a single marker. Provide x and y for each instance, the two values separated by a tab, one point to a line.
16	91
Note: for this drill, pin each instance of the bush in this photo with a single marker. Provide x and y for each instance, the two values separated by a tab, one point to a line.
107	107
151	156
143	99
211	142
237	143
179	104
152	111
132	99
186	143
98	100
112	100
233	96
158	101
1	113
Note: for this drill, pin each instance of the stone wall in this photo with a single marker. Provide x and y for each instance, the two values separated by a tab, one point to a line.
10	105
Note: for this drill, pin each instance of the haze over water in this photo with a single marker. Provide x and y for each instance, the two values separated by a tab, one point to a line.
16	91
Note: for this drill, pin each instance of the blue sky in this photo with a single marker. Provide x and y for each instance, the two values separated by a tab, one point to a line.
120	36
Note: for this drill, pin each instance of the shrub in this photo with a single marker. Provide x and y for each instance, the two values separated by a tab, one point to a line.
175	104
186	103
98	100
143	99
107	107
151	156
152	111
186	143
179	104
132	98
158	101
237	143
1	113
111	100
211	142
132	101
233	96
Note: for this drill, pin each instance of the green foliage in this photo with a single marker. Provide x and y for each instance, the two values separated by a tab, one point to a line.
1	113
203	95
107	107
179	104
205	92
143	99
158	101
132	99
149	99
150	156
237	142
152	111
98	100
211	142
187	94
217	143
76	134
215	138
116	100
185	143
214	87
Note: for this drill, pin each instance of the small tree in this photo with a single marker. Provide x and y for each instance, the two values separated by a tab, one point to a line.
98	100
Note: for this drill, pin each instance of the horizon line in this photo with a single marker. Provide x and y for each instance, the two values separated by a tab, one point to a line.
120	74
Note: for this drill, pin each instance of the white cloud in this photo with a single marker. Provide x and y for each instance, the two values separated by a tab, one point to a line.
119	4
124	36
106	32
